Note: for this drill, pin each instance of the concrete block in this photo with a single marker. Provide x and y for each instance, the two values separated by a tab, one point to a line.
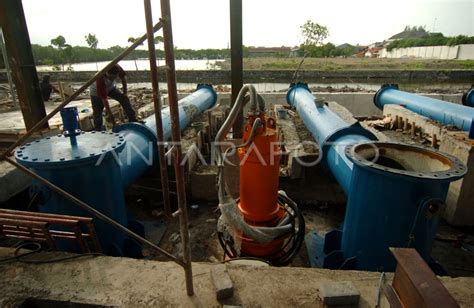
424	124
203	183
222	282
459	201
339	293
12	181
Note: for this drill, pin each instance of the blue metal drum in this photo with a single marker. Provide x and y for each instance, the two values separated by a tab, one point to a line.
86	170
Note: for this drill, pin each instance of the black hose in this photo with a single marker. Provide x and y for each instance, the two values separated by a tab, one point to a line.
296	238
36	249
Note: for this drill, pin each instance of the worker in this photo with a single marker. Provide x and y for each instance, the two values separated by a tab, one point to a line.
103	88
47	88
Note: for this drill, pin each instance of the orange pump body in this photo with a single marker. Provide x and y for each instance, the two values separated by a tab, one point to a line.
259	180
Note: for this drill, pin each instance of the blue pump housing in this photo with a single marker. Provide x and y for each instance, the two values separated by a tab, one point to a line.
100	165
395	192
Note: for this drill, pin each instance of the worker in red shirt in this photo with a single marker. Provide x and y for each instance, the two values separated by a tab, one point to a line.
103	88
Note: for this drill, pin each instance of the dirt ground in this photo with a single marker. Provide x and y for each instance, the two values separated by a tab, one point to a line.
331	64
205	247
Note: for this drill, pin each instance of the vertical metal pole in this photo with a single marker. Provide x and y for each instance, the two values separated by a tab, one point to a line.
236	61
7	68
17	41
157	106
176	136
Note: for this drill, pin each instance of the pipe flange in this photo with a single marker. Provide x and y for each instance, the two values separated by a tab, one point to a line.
294	86
468	97
405	160
210	88
58	151
382	89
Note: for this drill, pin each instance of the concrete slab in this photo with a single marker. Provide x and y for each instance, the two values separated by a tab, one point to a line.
339	293
222	282
131	283
407	117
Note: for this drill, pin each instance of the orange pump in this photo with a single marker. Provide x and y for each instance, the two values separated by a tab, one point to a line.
264	222
259	174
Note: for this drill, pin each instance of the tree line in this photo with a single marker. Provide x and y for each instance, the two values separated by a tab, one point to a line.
433	39
59	54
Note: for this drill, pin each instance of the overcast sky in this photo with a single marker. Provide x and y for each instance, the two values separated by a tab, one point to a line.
205	23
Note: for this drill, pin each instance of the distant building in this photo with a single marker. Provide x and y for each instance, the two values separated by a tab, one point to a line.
355	50
295	52
373	52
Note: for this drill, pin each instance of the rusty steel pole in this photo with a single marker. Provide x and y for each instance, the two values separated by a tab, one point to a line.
157	106
7	69
176	137
236	61
18	45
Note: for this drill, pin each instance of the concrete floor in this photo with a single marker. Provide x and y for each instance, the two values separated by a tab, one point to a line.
133	283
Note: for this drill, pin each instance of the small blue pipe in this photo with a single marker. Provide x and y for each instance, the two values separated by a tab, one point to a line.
435	109
140	152
331	132
468	97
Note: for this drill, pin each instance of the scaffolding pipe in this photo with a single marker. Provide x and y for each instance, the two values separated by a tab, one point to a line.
157	106
176	138
7	69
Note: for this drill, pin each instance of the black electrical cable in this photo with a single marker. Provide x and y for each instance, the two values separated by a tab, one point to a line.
38	248
296	238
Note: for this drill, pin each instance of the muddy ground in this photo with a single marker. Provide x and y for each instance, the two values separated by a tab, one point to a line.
448	248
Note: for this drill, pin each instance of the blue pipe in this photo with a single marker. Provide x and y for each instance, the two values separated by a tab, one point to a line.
435	109
468	97
393	197
100	165
329	130
140	152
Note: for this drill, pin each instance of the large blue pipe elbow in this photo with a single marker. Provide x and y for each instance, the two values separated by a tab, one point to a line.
331	132
140	152
394	191
435	109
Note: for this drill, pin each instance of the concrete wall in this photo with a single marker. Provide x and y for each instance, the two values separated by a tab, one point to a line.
460	199
460	52
359	104
466	52
274	76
